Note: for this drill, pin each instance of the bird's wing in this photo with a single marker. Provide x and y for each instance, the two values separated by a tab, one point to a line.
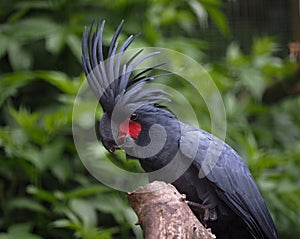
227	171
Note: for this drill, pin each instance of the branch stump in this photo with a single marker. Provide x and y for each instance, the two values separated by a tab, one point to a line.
163	213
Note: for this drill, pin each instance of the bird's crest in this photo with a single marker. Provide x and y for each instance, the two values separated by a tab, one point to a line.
110	79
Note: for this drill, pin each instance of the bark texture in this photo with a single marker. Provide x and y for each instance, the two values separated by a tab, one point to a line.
163	213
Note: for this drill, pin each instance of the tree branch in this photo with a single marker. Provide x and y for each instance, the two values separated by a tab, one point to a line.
163	213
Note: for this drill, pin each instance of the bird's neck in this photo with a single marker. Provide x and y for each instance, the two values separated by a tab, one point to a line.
168	148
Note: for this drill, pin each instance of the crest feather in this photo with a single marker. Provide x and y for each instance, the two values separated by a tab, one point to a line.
109	78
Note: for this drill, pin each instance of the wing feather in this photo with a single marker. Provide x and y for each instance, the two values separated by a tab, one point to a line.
232	179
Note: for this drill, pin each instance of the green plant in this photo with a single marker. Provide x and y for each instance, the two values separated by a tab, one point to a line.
45	191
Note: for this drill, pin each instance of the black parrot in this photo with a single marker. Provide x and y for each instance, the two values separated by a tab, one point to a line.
135	121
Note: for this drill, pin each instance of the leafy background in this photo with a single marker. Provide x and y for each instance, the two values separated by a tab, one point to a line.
45	191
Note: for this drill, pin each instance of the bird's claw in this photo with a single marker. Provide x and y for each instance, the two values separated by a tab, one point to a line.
207	214
213	215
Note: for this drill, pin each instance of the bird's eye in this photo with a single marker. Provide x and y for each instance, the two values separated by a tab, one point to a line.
133	116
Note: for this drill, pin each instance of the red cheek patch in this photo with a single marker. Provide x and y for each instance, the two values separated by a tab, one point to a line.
131	128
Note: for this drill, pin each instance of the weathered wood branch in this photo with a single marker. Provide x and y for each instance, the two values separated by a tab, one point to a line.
164	214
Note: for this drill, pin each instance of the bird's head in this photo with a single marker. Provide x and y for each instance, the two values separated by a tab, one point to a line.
130	110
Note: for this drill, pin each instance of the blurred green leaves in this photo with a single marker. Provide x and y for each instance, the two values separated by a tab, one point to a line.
10	83
16	35
21	230
258	69
45	191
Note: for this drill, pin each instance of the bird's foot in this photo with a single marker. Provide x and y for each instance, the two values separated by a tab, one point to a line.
207	214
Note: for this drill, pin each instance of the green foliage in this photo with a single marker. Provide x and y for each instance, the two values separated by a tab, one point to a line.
19	230
45	191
